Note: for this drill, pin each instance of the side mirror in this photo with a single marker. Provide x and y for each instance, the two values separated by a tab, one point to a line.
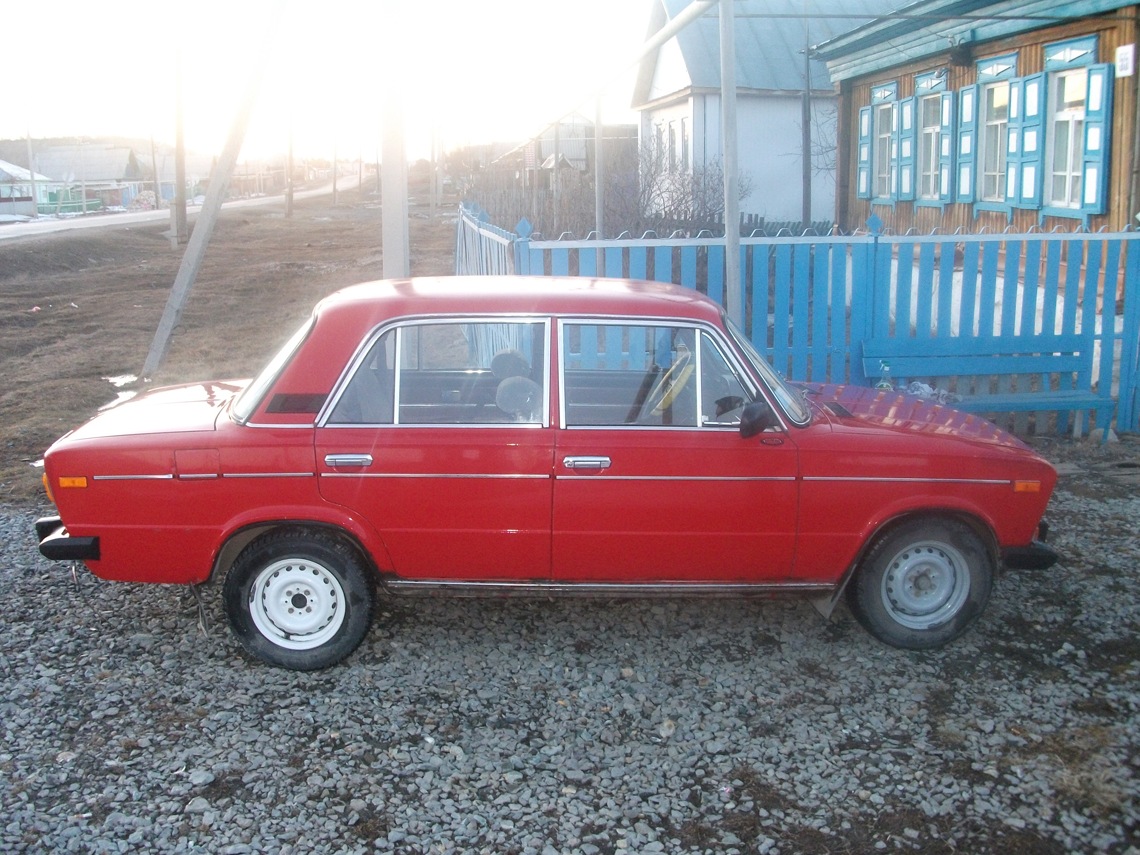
756	418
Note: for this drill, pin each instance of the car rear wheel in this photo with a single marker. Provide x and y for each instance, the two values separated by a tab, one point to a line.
299	599
923	584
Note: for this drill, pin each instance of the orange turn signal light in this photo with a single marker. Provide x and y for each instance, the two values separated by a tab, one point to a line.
72	481
47	488
1027	486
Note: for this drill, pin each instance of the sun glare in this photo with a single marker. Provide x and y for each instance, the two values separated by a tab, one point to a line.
466	71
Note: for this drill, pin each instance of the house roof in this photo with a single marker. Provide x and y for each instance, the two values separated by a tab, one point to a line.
94	163
10	173
927	27
770	39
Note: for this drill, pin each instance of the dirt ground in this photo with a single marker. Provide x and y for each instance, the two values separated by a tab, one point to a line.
79	307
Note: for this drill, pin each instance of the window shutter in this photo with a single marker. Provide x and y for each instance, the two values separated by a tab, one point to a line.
1097	147
863	160
946	149
1025	158
906	144
966	179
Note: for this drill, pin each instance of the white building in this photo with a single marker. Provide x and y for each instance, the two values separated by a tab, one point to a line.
678	96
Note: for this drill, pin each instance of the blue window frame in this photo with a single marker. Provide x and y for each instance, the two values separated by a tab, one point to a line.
1039	141
933	139
1076	128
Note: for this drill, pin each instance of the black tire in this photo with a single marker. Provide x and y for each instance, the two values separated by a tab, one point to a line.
922	584
300	599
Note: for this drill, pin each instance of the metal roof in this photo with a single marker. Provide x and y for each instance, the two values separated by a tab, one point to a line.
770	35
10	173
926	27
92	162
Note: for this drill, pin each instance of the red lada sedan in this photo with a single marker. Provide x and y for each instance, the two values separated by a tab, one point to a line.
542	437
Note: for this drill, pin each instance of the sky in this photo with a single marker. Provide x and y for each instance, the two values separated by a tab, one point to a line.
466	71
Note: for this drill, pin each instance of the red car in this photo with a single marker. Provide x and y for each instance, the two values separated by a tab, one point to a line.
543	437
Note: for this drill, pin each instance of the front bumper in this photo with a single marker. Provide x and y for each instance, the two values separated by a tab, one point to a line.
58	545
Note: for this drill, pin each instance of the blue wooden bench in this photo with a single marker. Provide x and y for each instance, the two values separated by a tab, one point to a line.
1038	373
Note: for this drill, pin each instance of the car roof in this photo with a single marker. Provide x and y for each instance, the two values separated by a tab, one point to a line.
372	302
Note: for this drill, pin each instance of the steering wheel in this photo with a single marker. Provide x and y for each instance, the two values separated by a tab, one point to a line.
669	384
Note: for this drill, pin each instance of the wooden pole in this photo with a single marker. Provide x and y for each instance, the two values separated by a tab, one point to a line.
734	301
805	136
289	176
203	229
32	177
180	228
394	186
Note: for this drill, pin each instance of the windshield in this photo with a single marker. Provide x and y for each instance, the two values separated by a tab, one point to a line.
792	403
249	399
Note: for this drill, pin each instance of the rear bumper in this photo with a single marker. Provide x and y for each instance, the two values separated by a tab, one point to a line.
1036	556
58	545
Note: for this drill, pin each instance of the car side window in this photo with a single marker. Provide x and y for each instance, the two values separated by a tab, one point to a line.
723	396
454	373
369	396
465	373
616	375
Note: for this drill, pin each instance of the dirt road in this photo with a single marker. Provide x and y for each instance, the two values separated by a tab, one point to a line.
81	306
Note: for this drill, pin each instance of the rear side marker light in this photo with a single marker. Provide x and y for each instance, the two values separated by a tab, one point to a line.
76	481
1027	486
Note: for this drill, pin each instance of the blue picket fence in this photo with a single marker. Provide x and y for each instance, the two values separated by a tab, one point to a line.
812	303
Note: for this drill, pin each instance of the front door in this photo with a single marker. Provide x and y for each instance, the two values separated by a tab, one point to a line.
653	481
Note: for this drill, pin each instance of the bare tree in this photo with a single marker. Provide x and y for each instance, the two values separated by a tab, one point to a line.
641	194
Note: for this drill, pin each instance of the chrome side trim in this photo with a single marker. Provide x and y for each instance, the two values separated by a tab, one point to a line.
673	478
268	474
512	476
990	481
169	477
430	587
309	426
198	476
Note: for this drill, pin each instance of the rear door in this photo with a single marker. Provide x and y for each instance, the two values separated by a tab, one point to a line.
441	439
653	481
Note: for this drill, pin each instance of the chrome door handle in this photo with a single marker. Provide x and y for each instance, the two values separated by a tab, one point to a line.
348	459
588	462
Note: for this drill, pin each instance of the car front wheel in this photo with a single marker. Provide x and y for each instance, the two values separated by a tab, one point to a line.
299	599
923	584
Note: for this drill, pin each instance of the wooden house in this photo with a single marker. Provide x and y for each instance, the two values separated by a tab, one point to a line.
988	116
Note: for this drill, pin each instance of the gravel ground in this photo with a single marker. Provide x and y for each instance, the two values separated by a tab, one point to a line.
586	727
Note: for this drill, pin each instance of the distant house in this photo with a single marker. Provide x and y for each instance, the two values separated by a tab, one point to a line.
16	190
107	176
966	116
549	178
678	96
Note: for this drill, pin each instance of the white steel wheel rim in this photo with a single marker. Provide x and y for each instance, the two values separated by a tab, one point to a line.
297	603
925	584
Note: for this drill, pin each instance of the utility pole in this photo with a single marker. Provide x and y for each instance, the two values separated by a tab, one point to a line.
180	231
207	218
599	171
734	301
555	183
805	134
32	177
289	176
394	188
154	172
83	174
